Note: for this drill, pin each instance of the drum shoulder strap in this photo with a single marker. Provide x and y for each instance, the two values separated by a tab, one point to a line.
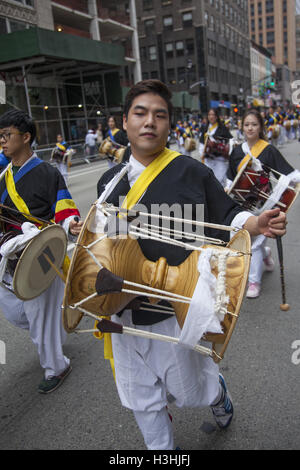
256	150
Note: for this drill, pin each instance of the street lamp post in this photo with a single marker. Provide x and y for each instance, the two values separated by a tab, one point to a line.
187	78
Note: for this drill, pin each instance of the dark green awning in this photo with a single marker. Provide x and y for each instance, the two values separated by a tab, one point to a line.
35	42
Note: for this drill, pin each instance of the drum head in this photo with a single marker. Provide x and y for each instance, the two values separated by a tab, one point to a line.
34	274
72	317
236	286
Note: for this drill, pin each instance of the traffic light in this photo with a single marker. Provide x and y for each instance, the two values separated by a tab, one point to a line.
235	110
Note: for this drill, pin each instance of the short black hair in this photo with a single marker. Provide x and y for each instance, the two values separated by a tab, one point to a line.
20	120
149	86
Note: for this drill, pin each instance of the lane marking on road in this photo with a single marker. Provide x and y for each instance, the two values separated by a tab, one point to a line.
88	171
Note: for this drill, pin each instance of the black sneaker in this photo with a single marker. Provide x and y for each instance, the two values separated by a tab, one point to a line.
223	411
52	383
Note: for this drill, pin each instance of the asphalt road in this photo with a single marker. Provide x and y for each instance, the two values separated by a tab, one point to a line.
85	413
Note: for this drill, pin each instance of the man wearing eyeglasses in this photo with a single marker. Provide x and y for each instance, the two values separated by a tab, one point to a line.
34	189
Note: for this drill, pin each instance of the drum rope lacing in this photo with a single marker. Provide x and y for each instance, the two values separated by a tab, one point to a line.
221	298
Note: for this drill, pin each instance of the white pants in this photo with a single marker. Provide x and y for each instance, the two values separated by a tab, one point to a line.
257	262
42	317
63	169
219	166
281	138
146	370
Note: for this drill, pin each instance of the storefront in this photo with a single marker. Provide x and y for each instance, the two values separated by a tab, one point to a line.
66	83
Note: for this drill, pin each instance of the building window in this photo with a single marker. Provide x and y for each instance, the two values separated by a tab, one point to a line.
190	46
223	53
147	4
28	3
284	6
181	71
152	53
169	49
143	52
171	76
269	6
168	22
154	74
269	22
213	76
270	37
259	8
16	26
231	56
3	27
285	21
149	27
224	76
179	48
187	19
212	48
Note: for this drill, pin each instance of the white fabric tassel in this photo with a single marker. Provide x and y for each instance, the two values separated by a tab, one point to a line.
222	299
201	314
16	244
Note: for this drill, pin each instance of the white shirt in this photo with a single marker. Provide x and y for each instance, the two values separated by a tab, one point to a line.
135	169
90	139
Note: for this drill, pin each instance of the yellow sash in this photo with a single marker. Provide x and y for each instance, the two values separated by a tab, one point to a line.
212	128
17	200
22	207
147	176
133	196
61	147
256	150
114	131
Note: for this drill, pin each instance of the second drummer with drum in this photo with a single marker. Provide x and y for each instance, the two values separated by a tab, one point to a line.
34	189
147	370
213	134
257	147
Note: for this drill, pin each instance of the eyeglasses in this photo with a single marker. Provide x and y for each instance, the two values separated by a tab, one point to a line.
6	135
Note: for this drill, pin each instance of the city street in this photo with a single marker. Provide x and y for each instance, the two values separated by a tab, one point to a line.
85	412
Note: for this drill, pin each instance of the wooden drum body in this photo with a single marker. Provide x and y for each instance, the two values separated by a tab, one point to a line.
217	148
124	258
252	188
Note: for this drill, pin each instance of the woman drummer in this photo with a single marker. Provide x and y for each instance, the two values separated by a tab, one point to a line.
215	129
256	145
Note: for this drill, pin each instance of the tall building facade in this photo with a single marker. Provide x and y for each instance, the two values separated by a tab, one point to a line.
272	25
197	47
68	62
261	73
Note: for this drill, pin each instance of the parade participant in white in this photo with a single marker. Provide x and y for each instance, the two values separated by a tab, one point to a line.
146	370
42	187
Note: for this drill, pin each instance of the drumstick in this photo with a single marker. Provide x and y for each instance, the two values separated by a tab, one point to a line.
172	219
107	326
39	219
203	154
55	268
284	306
